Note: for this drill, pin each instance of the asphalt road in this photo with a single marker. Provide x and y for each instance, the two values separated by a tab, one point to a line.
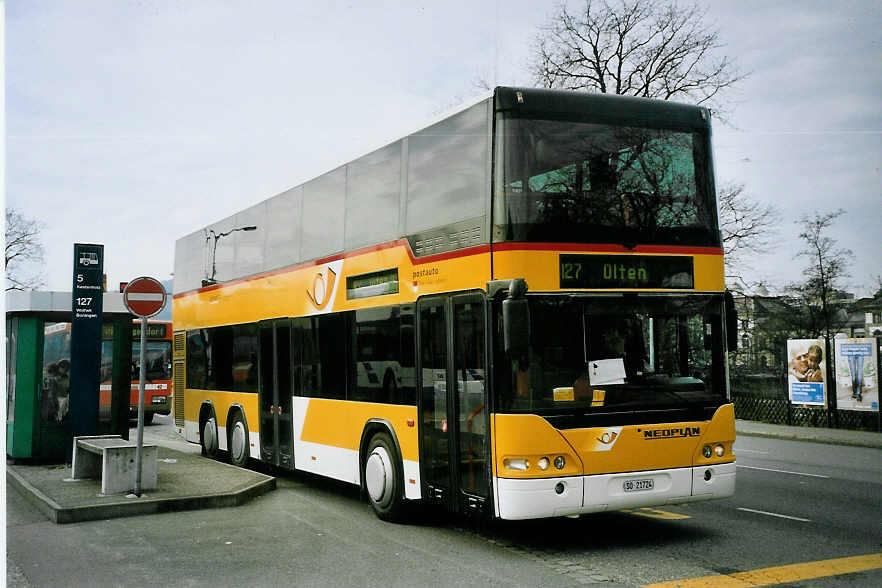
796	503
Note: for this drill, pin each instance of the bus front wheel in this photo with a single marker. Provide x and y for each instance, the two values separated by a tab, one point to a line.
383	478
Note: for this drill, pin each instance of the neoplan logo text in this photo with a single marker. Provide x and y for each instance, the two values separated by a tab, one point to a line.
672	433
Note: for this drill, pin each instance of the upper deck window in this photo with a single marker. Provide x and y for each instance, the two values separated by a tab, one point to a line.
581	182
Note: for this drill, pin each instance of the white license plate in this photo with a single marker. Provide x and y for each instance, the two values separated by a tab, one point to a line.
158	400
638	485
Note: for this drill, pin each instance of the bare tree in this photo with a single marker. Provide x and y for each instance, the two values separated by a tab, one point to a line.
648	48
24	252
654	49
828	265
747	225
809	309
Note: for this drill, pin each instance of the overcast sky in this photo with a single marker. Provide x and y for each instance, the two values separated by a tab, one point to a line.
132	123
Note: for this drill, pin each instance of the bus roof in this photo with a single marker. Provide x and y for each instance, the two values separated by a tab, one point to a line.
606	107
284	222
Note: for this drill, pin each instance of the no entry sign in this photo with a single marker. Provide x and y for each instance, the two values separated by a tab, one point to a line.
144	296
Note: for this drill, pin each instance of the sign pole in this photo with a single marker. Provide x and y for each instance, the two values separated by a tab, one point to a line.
141	378
877	341
144	297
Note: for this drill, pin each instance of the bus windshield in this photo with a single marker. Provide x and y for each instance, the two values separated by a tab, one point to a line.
157	356
580	182
614	354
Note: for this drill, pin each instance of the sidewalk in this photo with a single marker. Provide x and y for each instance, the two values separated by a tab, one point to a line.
185	481
815	434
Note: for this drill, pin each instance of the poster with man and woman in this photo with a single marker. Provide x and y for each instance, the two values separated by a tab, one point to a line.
805	371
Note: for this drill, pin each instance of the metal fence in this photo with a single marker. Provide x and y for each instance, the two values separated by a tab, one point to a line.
764	398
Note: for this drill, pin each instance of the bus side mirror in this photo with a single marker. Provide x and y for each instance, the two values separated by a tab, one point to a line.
516	319
731	322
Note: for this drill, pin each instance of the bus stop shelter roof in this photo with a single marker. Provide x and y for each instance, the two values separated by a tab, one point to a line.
57	305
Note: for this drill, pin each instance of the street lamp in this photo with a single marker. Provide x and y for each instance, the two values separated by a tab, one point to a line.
215	237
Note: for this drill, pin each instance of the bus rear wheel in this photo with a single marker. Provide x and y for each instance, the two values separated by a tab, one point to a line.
238	441
208	438
383	478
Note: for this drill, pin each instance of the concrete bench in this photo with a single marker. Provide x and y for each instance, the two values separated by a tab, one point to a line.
112	459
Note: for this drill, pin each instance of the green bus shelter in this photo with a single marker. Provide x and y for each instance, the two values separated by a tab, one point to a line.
37	366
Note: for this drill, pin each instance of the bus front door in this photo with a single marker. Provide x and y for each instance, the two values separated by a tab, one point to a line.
454	436
276	422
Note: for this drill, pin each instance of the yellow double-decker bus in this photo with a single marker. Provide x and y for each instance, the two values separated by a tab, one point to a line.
517	311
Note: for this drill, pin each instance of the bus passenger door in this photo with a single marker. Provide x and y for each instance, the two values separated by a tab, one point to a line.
276	423
454	441
473	426
435	440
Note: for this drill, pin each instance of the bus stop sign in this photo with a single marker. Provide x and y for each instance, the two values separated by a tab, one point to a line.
144	297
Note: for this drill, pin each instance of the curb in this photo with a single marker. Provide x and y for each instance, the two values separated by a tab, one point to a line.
44	504
64	515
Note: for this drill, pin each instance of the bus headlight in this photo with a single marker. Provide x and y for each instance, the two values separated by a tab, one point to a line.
560	462
543	463
516	463
719	450
706	451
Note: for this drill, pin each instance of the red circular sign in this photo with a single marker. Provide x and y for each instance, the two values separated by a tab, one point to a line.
144	296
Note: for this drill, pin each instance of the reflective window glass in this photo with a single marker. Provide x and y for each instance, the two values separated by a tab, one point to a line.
447	171
157	358
11	361
468	328
381	370
245	353
373	197
311	367
323	202
249	236
433	354
568	180
282	232
55	397
602	355
190	258
210	358
333	337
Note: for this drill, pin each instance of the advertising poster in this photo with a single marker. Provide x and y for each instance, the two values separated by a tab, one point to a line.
857	380
806	365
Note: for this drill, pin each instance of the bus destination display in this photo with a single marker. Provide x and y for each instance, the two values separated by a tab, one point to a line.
154	331
626	271
372	284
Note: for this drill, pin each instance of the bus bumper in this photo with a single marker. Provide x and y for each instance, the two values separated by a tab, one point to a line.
163	409
554	497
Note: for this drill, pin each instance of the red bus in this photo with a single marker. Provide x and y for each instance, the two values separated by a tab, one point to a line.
158	377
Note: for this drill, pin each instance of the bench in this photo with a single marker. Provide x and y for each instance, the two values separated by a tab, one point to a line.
112	459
